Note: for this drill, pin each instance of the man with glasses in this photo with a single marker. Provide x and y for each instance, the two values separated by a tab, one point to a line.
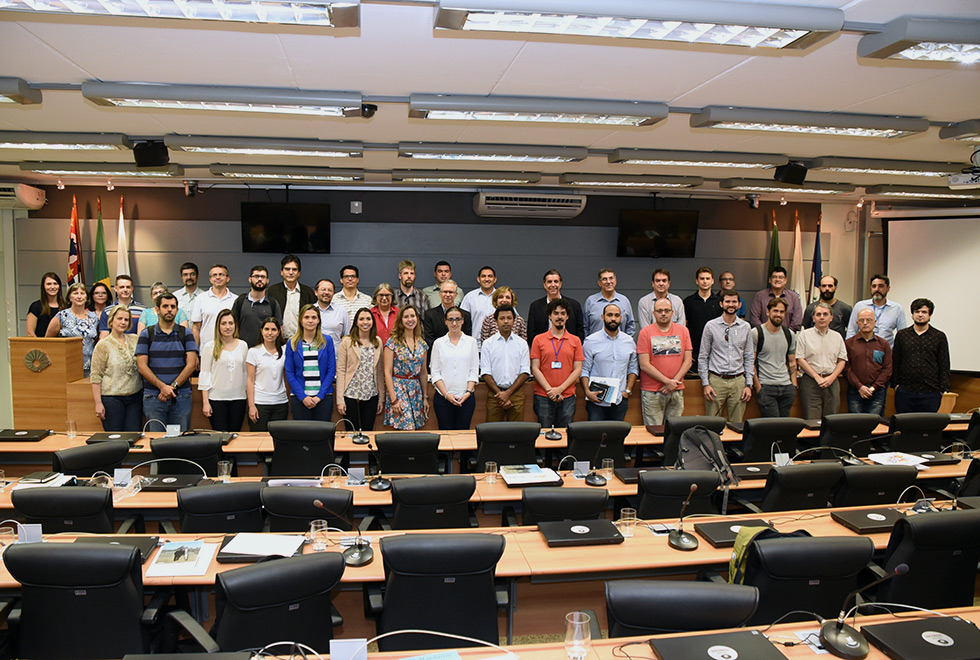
726	282
291	294
777	289
211	302
869	367
253	308
434	321
443	272
664	352
350	299
725	362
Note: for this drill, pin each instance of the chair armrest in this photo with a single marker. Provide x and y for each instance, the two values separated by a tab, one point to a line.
945	494
151	613
735	455
168	526
877	571
365	524
748	505
133	524
13	617
373	600
6	605
508	518
178	620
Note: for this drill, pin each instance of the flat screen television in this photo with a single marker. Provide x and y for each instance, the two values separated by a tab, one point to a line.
282	228
657	234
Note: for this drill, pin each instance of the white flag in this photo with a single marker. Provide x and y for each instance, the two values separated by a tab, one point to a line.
122	249
799	277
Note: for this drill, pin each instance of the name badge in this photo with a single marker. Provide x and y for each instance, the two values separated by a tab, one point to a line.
556	364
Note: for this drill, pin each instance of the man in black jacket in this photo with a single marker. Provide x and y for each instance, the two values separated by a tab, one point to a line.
290	294
537	313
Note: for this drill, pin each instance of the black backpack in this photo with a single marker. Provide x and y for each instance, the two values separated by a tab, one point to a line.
700	449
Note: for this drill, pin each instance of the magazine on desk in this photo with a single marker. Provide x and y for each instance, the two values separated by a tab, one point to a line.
182	559
528	475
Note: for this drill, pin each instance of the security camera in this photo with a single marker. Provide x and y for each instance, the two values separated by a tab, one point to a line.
753	200
190	188
368	110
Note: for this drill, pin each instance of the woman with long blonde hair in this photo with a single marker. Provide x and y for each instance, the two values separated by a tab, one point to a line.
222	378
406	377
310	368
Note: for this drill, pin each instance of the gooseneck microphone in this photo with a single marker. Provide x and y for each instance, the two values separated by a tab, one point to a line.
594	478
379	482
678	539
359	554
843	640
552	434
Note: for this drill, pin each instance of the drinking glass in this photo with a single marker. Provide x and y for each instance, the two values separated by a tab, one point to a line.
70	429
627	522
491	472
334	476
224	471
7	537
578	635
608	465
319	535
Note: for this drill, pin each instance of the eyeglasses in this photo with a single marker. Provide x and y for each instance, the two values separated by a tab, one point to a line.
455	320
384	295
348	277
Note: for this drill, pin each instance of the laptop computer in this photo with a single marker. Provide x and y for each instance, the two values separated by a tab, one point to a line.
738	427
23	435
632	475
567	533
722	534
172	482
936	457
146	544
655	429
932	638
970	502
721	646
237	558
812	424
751	470
225	437
867	521
132	437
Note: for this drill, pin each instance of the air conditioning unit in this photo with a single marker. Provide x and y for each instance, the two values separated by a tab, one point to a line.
20	196
521	205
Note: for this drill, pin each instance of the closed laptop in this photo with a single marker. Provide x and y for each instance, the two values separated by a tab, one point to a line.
146	544
743	645
722	534
867	521
132	437
566	533
932	638
23	435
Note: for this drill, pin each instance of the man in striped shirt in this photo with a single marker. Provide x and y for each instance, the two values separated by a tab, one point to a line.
166	355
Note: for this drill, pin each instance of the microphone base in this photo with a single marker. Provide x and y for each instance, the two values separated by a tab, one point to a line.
552	435
595	479
843	640
380	484
684	541
360	439
359	554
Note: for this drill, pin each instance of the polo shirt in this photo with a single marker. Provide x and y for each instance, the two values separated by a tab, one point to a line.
479	305
166	356
351	306
551	350
666	349
185	300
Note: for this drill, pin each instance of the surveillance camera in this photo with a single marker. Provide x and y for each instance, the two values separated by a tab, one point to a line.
368	110
753	200
190	188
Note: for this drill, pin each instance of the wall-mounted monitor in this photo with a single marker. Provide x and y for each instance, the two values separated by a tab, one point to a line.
282	228
657	234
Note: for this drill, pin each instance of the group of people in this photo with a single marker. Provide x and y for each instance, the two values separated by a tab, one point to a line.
288	347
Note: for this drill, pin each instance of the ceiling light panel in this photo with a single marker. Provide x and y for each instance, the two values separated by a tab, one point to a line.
491	152
536	110
465	177
629	181
882	166
264	146
815	123
287	173
673	158
103	169
966	131
922	192
765	186
55	141
925	40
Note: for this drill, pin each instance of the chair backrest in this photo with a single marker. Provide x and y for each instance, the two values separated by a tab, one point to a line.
846	430
919	431
86	460
78	600
809	574
291	508
301	448
972	437
288	598
432	502
653	607
806	486
594	441
663	492
66	509
220	508
203	450
941	549
675	426
453	575
506	443
971	482
760	434
555	503
408	453
873	484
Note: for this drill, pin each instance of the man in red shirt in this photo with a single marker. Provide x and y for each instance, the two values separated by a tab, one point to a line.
556	365
665	355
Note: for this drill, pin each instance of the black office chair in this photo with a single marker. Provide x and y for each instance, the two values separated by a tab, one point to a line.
555	503
505	443
806	486
972	437
202	449
408	453
86	460
919	432
301	448
220	508
291	508
761	433
595	441
453	575
654	607
675	426
433	502
663	493
941	549
81	601
808	574
849	431
82	510
863	485
269	602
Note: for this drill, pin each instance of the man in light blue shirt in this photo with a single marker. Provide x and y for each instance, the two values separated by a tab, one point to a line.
334	320
594	308
610	355
889	316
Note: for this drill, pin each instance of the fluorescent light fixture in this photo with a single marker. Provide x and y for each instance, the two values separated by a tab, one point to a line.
491	152
275	100
465	177
882	166
753	25
30	140
536	110
264	146
321	13
817	123
925	40
967	131
628	181
16	90
673	158
922	192
287	172
103	169
764	186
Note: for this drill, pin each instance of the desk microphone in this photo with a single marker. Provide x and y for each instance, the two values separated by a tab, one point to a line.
359	554
552	434
843	640
850	459
678	539
378	483
594	478
358	437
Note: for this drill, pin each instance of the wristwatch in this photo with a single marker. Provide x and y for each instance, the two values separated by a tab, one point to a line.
175	384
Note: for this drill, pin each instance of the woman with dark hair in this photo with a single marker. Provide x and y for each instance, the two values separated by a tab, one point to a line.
310	368
455	372
406	378
265	387
360	372
42	310
222	378
99	296
77	321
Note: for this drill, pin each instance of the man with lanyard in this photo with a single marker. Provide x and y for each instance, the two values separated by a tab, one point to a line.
479	301
661	291
505	366
350	299
777	289
210	303
556	365
610	363
889	316
166	356
291	294
664	354
725	361
595	305
253	308
334	321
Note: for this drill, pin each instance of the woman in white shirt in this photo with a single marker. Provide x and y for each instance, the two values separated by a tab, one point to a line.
455	370
222	378
265	385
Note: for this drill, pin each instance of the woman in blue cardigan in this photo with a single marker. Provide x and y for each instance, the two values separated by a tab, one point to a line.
310	368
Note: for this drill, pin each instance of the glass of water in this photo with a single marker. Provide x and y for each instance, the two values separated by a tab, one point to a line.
578	635
319	534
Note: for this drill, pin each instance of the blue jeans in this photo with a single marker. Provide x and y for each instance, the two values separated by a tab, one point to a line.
172	411
875	404
554	413
776	400
123	413
322	412
450	417
906	401
616	413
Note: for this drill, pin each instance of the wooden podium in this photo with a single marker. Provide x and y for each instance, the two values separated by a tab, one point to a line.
40	370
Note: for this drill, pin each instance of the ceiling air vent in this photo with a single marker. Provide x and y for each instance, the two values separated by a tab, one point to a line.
498	205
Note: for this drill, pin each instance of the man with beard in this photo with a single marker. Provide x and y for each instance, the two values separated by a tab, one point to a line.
777	289
166	356
869	367
725	361
664	352
821	356
253	308
556	365
610	368
921	362
334	320
187	293
841	310
889	316
406	293
775	362
537	313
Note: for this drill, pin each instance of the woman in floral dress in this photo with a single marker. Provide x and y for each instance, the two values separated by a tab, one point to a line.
406	377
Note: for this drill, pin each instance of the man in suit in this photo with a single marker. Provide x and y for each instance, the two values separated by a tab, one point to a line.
537	313
290	294
434	321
